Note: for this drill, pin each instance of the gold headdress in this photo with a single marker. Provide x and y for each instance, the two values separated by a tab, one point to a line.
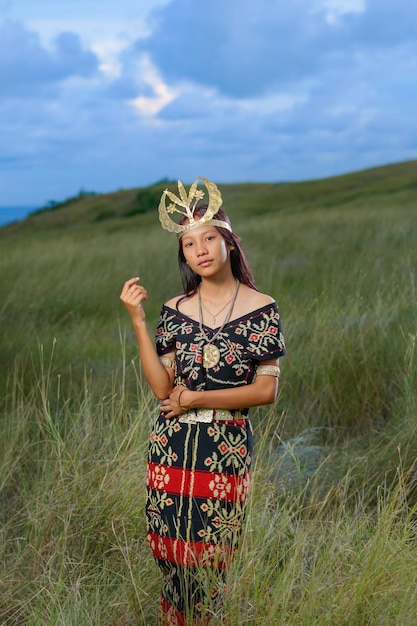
187	204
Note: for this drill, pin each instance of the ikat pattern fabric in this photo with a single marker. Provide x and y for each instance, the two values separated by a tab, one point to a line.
199	474
242	343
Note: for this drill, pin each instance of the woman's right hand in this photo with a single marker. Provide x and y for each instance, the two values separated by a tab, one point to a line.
132	296
172	406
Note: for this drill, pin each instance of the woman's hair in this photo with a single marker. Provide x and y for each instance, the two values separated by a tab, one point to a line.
239	264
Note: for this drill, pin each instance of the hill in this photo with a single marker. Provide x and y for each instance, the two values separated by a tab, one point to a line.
338	254
380	185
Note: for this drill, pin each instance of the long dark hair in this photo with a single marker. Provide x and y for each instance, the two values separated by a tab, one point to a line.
239	264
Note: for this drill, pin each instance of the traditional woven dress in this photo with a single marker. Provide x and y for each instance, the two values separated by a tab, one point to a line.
199	472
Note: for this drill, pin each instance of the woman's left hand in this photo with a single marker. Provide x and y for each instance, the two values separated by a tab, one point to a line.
171	405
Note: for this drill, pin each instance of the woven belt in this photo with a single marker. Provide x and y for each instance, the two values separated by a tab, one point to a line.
208	415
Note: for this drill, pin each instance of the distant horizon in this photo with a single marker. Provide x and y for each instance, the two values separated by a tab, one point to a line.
16	213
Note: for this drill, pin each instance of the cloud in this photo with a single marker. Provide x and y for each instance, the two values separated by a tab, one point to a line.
161	93
387	24
336	10
246	49
231	90
141	86
242	49
26	66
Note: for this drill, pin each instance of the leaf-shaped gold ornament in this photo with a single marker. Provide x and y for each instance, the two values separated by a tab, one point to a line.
188	202
192	193
175	198
183	195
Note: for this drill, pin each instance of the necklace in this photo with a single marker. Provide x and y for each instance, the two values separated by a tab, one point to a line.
211	353
214	316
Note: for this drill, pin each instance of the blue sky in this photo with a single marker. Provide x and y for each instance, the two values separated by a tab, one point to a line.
104	95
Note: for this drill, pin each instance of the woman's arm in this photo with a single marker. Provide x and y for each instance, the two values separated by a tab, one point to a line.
159	377
262	391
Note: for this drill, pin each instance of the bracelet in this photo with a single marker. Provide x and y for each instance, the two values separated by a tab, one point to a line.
179	397
268	370
167	362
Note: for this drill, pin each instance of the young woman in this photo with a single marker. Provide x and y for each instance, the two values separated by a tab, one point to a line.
216	355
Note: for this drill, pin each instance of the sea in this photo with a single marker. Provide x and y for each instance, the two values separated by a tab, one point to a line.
15	213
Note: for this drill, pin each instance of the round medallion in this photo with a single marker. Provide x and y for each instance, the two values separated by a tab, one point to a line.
211	355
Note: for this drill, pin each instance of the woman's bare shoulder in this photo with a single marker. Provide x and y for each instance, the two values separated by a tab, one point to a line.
172	302
251	300
182	303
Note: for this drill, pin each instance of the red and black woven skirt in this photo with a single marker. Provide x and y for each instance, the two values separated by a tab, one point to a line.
198	483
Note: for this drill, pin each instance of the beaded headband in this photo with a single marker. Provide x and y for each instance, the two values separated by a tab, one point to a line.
186	205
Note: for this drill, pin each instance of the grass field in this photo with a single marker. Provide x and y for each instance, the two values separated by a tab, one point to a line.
331	527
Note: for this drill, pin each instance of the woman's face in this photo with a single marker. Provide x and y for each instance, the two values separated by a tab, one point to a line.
206	251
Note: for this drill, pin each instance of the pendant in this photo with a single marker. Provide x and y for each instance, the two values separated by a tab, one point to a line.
211	355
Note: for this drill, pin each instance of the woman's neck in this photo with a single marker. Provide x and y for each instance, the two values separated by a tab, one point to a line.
217	289
224	298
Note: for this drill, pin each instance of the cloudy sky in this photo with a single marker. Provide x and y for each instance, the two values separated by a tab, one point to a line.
102	95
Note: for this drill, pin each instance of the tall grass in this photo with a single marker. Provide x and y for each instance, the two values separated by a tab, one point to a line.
330	529
315	549
73	470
